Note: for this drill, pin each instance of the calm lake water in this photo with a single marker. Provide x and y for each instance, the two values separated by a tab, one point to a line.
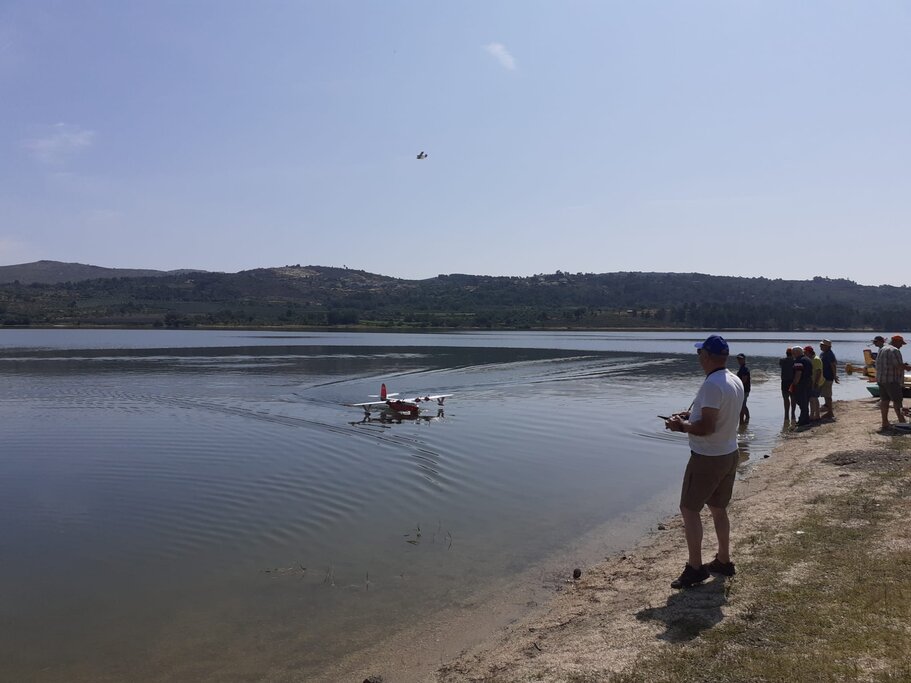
192	505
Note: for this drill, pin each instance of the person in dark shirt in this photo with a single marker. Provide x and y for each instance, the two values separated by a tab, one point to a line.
803	379
829	375
743	373
787	376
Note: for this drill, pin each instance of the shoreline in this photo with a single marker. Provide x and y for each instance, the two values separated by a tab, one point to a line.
414	328
600	624
416	652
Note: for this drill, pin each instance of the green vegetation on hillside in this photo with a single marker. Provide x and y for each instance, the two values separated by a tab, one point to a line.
316	296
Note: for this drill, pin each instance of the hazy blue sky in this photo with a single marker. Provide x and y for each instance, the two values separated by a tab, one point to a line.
732	137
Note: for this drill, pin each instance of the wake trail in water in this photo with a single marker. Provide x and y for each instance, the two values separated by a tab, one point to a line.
128	402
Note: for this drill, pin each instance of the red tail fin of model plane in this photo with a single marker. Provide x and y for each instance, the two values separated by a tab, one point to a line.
383	392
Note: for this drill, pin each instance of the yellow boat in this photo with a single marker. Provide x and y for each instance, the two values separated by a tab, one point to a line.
869	368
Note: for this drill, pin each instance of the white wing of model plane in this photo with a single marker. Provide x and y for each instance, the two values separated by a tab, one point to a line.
386	400
439	398
368	404
424	399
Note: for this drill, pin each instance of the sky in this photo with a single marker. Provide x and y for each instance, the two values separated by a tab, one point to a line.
735	137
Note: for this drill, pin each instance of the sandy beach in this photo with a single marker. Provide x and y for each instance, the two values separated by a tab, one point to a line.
624	608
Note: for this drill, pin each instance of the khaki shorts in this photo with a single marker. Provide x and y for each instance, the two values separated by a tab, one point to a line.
709	480
825	389
891	391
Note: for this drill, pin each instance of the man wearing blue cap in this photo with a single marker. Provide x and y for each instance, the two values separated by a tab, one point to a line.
711	424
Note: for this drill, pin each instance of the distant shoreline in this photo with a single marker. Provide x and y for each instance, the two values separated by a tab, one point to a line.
295	297
414	329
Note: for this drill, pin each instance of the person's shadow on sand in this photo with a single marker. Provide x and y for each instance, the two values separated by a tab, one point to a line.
689	612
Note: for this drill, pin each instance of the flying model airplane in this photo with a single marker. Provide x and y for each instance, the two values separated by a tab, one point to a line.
398	407
422	155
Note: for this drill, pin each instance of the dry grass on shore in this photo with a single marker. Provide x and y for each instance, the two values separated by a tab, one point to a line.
826	599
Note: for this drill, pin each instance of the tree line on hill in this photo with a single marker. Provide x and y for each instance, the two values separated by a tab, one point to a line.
316	296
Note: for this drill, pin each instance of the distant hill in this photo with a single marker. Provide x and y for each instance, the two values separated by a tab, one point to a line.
320	296
50	272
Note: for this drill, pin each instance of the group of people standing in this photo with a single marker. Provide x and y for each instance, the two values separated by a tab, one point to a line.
805	379
720	407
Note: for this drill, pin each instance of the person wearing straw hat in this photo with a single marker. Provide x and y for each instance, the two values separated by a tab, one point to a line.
878	341
890	376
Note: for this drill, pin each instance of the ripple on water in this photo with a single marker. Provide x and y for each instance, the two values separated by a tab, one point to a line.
214	464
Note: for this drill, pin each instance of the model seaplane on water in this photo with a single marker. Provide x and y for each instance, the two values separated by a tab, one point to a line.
398	408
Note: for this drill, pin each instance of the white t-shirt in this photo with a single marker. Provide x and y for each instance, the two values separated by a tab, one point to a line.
722	389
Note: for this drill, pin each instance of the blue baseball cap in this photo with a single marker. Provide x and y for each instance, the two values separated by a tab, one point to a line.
714	344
